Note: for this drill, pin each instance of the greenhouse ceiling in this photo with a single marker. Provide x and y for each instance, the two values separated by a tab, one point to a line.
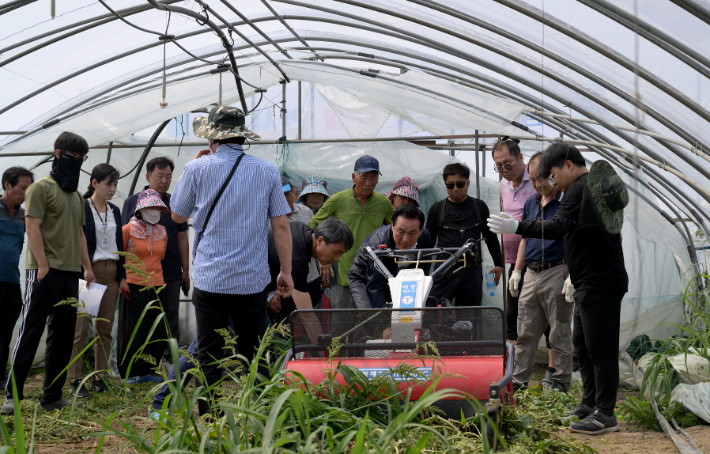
629	80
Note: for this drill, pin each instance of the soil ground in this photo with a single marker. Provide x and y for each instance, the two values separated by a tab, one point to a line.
69	439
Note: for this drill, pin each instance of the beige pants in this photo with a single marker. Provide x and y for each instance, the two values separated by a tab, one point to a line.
541	303
105	273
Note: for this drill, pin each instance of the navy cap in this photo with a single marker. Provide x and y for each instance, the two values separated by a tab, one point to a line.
286	185
367	163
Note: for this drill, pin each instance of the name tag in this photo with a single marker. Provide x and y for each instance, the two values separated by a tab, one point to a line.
104	241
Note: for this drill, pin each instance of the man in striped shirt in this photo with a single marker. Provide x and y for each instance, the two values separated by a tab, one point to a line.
230	269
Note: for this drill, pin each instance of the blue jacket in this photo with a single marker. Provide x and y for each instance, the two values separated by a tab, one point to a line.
90	234
368	286
12	237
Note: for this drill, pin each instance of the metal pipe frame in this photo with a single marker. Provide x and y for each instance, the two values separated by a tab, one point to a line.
243	37
288	27
143	157
678	49
256	29
8	7
227	46
610	128
357	18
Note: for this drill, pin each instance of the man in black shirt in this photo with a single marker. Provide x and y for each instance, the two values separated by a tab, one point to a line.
589	219
331	239
452	222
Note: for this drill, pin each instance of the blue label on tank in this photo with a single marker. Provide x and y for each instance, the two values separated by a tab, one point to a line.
408	295
373	372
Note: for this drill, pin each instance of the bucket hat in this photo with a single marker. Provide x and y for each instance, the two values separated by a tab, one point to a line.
609	193
223	122
406	187
313	184
150	198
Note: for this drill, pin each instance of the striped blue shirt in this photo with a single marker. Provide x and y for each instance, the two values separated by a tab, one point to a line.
232	256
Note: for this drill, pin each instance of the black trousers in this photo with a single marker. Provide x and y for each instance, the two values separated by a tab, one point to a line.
596	342
10	308
130	312
464	288
41	309
170	297
212	312
512	315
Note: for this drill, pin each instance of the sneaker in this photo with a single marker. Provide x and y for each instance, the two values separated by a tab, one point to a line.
98	385
58	405
596	423
8	407
581	411
75	388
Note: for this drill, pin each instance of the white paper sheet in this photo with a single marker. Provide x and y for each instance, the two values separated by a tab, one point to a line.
90	298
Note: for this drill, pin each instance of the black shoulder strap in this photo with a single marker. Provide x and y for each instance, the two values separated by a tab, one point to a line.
216	199
442	213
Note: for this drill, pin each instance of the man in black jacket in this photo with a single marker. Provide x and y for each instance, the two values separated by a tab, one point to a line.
452	222
368	286
589	219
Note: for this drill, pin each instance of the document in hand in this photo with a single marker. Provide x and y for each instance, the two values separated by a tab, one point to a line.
90	298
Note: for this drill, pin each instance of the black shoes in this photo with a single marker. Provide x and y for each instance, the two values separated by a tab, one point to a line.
518	385
77	390
98	385
58	404
596	423
582	411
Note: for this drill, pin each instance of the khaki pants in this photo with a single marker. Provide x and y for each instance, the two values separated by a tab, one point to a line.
541	303
105	273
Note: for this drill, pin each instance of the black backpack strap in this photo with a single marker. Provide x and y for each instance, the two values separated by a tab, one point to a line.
216	199
442	215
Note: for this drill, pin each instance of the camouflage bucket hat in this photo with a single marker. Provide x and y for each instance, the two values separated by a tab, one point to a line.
610	195
223	122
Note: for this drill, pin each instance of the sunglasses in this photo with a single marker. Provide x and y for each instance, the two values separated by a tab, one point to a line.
458	184
76	156
507	165
551	178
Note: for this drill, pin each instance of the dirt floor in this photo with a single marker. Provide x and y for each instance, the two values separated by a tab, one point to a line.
630	440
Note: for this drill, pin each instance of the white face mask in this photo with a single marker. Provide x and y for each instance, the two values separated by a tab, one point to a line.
151	215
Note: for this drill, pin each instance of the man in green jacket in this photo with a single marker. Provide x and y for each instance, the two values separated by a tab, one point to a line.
364	211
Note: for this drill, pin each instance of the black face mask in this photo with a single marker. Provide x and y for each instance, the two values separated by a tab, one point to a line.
66	170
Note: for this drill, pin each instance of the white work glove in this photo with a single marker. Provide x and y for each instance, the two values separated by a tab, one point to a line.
514	282
504	223
568	290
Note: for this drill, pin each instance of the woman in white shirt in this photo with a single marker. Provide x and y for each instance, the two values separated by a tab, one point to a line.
104	239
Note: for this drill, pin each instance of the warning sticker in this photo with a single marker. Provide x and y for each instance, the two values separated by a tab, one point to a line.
370	373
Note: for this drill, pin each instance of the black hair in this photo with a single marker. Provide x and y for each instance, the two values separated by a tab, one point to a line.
510	144
74	143
12	175
160	162
234	140
408	212
334	230
456	168
555	156
100	173
537	155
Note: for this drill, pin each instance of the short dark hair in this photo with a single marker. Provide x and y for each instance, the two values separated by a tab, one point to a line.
12	175
534	157
510	144
456	168
74	143
408	211
100	173
160	162
555	156
334	230
234	140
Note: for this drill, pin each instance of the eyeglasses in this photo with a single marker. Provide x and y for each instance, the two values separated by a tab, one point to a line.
508	166
76	156
551	178
458	184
